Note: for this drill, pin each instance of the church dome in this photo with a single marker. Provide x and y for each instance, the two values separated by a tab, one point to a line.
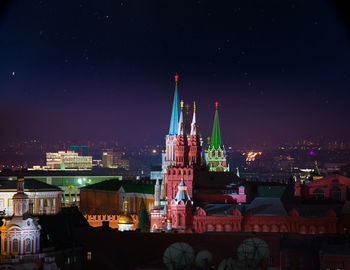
125	219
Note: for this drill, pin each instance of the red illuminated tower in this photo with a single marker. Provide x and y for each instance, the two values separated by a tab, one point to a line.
195	148
181	146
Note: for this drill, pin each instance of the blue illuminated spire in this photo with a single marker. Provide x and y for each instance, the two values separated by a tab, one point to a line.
175	114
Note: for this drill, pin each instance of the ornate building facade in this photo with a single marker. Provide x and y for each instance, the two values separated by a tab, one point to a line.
207	198
43	199
189	189
20	234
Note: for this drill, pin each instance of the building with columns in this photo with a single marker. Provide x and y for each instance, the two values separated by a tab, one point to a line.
20	234
43	199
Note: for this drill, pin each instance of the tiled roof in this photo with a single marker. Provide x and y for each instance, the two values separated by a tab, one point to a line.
266	207
218	209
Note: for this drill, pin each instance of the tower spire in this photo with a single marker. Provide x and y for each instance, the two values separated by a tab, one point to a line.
180	130
194	124
182	194
175	114
216	140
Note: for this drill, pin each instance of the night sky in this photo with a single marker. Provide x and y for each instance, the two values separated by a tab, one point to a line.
103	70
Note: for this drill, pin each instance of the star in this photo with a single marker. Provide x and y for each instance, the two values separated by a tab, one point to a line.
13	73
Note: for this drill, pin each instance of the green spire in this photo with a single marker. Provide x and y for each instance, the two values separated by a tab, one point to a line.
216	140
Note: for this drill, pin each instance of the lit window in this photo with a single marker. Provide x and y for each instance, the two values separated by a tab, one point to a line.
89	256
28	245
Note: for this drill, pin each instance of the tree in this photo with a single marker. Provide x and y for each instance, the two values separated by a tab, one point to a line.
143	218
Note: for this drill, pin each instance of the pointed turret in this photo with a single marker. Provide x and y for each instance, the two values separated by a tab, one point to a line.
157	193
182	194
175	114
181	148
194	123
216	140
194	141
168	158
20	182
180	127
316	173
20	199
216	151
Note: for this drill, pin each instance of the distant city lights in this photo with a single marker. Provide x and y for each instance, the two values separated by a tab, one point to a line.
251	156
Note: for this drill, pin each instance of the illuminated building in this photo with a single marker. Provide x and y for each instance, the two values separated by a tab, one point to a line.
104	201
107	158
69	182
43	199
156	173
111	159
184	208
67	160
170	139
216	159
20	234
207	199
125	222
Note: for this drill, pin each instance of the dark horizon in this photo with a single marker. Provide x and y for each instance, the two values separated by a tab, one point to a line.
102	71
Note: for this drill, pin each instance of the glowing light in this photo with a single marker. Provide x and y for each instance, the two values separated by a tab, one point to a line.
312	153
80	181
251	156
154	151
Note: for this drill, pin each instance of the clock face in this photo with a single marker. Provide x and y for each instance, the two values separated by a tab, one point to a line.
28	223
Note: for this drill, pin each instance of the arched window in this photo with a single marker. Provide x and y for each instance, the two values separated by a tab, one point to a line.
319	194
28	245
335	194
210	228
15	245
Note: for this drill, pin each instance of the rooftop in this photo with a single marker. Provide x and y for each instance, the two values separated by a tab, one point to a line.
129	186
29	185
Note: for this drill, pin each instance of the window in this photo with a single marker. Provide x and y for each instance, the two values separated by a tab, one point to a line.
89	256
335	194
271	260
301	262
335	181
5	245
319	194
180	220
287	261
28	245
15	246
348	193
